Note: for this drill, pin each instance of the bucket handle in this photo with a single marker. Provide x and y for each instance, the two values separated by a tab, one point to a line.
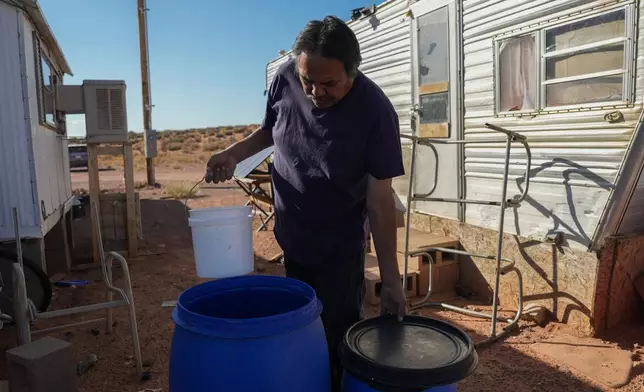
185	202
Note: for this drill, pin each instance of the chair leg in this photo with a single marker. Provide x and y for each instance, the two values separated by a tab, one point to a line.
110	297
135	338
136	344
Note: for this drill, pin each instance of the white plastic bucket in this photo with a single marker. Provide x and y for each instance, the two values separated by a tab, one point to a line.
223	247
220	212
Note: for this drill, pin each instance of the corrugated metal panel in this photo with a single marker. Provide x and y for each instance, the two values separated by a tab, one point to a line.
15	179
49	149
386	55
272	67
576	156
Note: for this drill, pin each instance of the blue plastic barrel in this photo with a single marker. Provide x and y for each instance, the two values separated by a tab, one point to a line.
249	333
353	384
417	354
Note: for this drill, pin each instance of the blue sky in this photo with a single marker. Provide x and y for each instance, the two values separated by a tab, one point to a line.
207	57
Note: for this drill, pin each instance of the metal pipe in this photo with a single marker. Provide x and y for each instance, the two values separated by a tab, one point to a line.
431	274
508	133
423	252
81	309
16	224
412	168
136	344
512	322
20	304
66	326
526	177
499	243
447	200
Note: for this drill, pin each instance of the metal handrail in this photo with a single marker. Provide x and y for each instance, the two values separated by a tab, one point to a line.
23	312
511	137
514	138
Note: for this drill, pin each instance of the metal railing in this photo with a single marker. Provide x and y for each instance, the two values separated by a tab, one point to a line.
511	137
25	312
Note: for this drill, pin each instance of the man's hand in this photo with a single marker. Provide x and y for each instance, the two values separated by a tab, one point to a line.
392	299
220	167
381	209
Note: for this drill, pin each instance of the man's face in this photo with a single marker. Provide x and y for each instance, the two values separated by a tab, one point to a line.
324	80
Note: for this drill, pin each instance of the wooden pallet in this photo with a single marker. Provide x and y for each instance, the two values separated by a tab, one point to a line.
419	239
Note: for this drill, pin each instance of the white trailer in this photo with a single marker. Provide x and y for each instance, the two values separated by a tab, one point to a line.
33	143
567	75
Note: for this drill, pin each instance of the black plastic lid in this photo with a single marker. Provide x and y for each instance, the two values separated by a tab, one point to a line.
415	354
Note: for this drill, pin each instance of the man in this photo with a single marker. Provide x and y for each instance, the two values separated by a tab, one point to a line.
337	147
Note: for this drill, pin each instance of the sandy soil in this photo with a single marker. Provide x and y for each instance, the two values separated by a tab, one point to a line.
168	269
113	177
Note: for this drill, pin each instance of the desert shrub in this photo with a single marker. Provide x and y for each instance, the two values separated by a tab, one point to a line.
174	146
180	191
188	148
247	132
197	138
211	146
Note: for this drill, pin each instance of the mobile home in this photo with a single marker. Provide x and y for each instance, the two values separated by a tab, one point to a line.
567	75
33	144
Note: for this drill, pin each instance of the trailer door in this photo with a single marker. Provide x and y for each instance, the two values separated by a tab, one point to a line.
435	98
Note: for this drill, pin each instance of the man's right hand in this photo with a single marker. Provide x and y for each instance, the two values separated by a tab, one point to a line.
221	167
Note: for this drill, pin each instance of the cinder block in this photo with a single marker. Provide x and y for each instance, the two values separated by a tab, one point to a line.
374	286
44	365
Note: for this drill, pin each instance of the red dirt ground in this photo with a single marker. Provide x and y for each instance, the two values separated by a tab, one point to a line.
509	365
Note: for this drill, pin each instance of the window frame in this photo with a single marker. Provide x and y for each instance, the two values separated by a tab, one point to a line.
629	40
497	74
40	56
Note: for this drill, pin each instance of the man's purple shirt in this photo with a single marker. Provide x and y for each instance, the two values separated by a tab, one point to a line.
321	162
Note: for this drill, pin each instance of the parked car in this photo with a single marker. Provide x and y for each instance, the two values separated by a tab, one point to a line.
78	156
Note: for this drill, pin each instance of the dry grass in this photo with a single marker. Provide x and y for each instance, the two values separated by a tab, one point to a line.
175	149
180	191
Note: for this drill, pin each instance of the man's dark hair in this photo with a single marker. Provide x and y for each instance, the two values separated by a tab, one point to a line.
330	38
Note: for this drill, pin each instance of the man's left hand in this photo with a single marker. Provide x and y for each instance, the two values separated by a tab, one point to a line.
392	299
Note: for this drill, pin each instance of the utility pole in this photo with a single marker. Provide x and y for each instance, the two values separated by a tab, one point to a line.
145	84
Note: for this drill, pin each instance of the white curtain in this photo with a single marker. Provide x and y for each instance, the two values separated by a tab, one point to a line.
518	74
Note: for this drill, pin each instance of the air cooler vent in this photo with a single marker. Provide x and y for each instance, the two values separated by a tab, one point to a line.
105	111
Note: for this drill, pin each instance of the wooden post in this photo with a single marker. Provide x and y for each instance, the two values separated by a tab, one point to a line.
125	149
145	82
132	232
94	193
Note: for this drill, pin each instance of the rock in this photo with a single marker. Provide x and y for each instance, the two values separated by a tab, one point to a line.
148	363
146	376
95	331
85	364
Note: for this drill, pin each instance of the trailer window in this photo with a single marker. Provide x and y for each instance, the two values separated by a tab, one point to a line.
46	79
518	74
584	62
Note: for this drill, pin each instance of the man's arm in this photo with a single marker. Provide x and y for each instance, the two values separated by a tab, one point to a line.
384	162
381	210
